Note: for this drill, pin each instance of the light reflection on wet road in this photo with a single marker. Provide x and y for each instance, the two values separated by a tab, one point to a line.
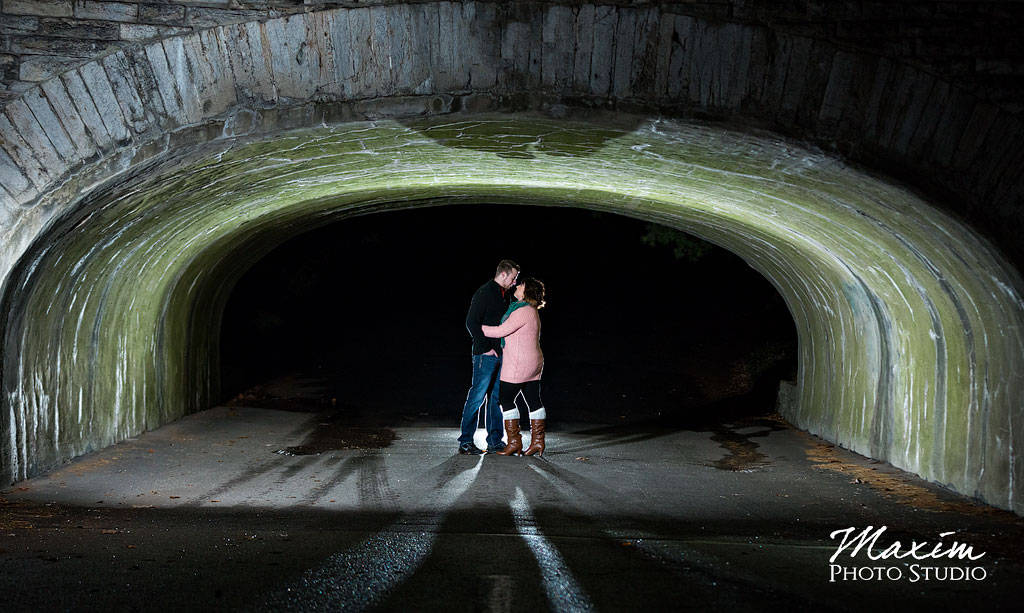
356	579
610	519
564	593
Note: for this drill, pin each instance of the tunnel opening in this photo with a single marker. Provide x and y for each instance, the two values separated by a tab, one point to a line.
114	328
364	319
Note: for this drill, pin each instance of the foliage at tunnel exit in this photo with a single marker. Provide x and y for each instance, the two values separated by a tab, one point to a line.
684	246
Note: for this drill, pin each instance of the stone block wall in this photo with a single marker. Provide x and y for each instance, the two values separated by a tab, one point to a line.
971	44
42	38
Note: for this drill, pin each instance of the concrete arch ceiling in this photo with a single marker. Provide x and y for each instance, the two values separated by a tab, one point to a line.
907	353
911	346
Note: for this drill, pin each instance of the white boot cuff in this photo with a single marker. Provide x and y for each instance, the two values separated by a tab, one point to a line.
510	414
540	413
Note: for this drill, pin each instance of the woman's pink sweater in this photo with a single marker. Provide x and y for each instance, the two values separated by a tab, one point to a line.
522	359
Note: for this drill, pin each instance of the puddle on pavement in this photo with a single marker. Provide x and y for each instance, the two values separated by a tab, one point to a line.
333	434
736	439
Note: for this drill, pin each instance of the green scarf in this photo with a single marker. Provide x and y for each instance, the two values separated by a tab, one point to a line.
515	305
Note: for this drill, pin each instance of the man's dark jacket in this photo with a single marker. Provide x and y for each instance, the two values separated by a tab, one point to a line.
488	305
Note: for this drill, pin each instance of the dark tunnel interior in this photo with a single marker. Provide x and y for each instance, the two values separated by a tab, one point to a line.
643	323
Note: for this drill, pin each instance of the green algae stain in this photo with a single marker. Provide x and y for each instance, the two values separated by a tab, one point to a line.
125	307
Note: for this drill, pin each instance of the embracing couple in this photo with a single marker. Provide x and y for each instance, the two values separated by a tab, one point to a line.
504	322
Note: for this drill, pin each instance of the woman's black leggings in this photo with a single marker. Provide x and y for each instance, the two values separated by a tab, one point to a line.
520	396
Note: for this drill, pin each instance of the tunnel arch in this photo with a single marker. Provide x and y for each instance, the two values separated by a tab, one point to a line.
77	145
392	58
111	322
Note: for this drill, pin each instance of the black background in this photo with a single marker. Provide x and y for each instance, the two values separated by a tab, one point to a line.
375	307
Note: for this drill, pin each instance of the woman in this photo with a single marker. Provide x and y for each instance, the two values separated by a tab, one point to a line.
521	365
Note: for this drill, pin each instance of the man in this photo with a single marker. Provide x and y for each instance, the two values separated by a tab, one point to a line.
488	305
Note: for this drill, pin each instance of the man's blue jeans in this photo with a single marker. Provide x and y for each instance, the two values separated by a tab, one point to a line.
485	376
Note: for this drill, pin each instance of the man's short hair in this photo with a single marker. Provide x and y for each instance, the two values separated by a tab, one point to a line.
506	266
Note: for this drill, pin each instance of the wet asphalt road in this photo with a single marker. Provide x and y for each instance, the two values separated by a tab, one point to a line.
259	509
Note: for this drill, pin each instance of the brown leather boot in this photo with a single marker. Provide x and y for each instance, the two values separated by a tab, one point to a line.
536	438
515	439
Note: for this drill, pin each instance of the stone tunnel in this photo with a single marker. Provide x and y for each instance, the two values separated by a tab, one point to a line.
878	191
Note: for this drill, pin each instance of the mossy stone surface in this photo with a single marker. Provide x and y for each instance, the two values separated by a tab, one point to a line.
910	326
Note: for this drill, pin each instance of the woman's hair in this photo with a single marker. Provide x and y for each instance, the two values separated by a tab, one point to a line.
533	292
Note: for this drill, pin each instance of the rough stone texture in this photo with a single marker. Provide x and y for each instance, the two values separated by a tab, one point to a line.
963	41
161	13
77	28
16	185
144	32
47	8
86	107
106	11
40	68
16	24
107	104
51	125
913	357
886	344
70	119
28	145
8	64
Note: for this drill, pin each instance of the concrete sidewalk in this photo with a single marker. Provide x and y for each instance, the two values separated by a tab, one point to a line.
259	509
